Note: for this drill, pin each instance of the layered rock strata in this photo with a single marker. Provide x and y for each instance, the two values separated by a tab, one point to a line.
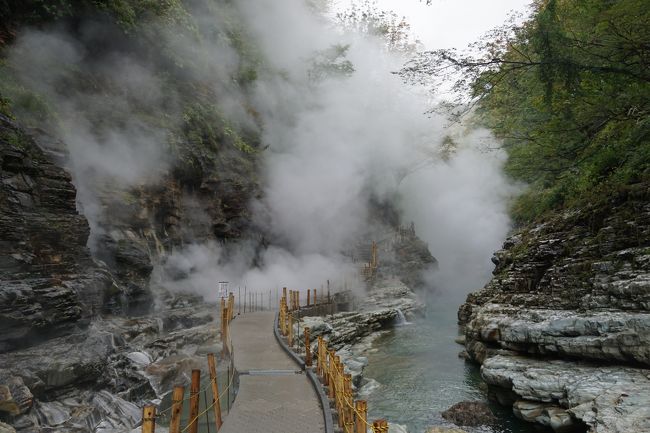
563	328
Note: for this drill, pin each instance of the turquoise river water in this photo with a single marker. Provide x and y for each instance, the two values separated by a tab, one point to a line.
420	375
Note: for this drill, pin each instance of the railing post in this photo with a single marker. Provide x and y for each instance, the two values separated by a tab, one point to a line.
330	375
319	354
149	419
362	416
307	347
380	426
323	367
194	401
177	409
338	380
349	402
224	331
308	297
315	299
212	366
290	331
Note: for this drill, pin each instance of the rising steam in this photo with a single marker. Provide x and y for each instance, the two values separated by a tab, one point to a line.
337	141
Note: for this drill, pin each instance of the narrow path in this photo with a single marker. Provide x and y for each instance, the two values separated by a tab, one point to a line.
272	398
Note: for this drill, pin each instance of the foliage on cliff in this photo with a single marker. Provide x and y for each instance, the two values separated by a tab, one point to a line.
179	43
568	91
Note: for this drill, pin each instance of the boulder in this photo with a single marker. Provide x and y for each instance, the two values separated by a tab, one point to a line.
15	397
469	413
566	395
6	428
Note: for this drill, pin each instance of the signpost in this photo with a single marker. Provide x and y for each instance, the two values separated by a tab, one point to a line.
223	289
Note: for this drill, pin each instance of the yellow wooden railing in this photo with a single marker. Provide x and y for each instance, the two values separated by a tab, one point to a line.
172	414
352	414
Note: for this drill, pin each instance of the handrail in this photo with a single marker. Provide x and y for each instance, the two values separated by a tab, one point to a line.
330	373
149	411
221	394
350	418
324	402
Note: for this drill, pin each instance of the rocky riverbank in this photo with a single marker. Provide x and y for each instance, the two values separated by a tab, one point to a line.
563	329
83	343
351	333
97	379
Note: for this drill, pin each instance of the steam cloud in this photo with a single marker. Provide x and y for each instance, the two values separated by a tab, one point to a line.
335	144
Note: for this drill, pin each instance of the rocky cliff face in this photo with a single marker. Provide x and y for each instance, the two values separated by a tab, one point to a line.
142	225
575	287
49	284
77	350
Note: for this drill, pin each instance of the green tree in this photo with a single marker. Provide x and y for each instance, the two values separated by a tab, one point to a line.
568	91
365	17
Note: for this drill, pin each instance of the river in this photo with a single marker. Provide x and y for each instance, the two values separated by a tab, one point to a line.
420	375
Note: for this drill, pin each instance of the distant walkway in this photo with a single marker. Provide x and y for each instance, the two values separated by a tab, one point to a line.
272	398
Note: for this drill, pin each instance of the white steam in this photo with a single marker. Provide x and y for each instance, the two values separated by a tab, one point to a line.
113	109
335	144
198	268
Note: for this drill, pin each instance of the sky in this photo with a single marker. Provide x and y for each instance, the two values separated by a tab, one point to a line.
449	23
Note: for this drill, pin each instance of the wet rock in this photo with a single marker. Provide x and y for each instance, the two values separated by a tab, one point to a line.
396	428
165	374
129	259
30	309
392	294
575	287
186	318
469	413
6	428
602	335
48	281
561	421
15	397
89	411
503	396
51	414
444	430
411	258
7	403
566	395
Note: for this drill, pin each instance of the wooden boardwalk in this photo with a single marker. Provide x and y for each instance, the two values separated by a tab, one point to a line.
274	396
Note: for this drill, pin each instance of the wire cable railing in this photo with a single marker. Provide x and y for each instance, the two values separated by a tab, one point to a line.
173	414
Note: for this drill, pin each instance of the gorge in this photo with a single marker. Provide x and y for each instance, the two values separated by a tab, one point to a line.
150	150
